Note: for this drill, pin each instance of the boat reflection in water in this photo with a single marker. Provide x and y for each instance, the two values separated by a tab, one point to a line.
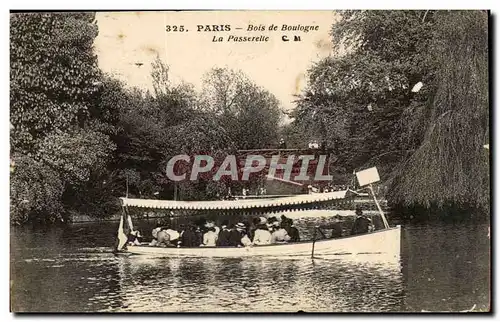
445	267
150	284
359	272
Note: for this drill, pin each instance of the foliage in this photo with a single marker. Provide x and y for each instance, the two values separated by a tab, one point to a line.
53	74
75	155
231	113
58	136
355	100
80	139
35	191
360	102
97	197
451	163
155	127
250	114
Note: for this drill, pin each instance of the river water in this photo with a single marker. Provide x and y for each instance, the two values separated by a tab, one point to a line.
443	267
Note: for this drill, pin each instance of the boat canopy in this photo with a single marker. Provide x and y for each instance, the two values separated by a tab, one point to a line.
237	204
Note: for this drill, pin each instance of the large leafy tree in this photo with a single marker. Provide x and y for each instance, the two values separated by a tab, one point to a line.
54	74
156	126
361	101
451	165
57	138
250	114
356	99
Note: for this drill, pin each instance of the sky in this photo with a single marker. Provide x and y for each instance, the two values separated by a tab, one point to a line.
128	39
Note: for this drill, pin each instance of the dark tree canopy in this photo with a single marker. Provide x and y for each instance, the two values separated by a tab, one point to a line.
54	75
360	101
250	113
451	164
56	137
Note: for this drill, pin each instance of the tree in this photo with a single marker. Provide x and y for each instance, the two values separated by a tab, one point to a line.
251	115
54	74
58	141
157	126
362	102
355	100
451	165
35	191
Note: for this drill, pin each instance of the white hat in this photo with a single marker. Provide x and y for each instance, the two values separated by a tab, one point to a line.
240	225
263	220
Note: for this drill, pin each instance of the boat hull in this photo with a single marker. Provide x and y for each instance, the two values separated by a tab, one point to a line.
382	245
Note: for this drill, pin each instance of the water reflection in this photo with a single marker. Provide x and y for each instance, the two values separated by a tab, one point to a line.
219	285
59	270
447	267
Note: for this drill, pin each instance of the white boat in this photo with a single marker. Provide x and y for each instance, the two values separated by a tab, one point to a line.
382	245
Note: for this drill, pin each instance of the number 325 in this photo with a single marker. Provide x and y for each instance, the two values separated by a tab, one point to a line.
169	28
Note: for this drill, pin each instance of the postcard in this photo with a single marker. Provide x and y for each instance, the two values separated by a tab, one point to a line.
250	161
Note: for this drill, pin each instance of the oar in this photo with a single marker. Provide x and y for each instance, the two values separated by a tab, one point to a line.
314	241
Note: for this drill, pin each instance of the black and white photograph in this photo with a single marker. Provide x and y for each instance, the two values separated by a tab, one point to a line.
244	161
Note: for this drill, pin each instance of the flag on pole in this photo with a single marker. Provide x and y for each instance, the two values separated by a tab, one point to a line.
123	229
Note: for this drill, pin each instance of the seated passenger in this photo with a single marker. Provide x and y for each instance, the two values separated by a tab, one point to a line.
210	224
234	236
167	237
275	227
189	238
262	235
245	240
134	238
239	237
200	222
224	235
155	231
336	230
280	235
362	224
164	239
217	228
199	235
210	237
291	230
181	229
253	227
272	220
174	236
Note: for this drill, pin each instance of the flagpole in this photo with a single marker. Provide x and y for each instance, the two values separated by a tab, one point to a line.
384	220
